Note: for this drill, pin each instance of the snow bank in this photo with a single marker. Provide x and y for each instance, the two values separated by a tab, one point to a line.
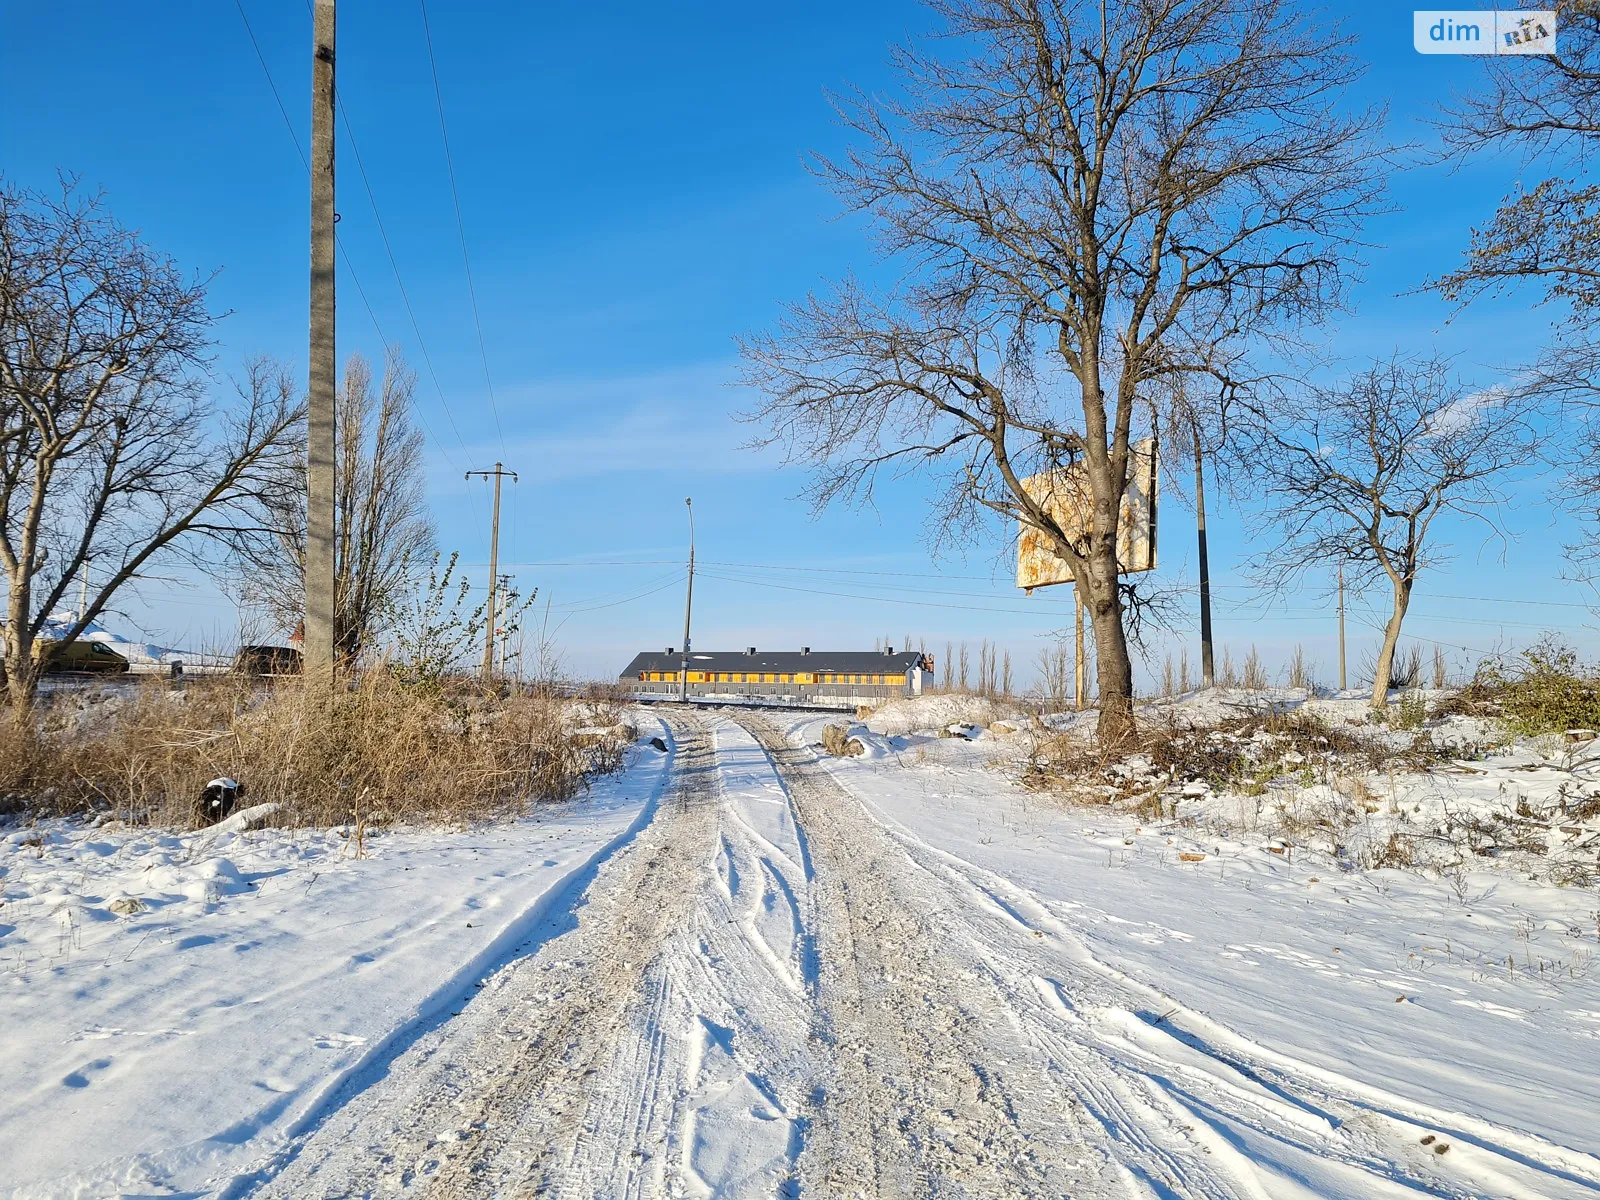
939	711
176	1007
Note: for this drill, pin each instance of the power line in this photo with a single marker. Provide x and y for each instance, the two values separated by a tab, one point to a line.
785	567
461	229
345	254
759	583
628	600
405	298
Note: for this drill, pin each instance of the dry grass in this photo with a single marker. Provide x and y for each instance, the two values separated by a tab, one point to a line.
380	751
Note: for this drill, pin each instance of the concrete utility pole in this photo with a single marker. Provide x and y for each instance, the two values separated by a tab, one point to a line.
319	556
1342	684
505	590
494	566
688	607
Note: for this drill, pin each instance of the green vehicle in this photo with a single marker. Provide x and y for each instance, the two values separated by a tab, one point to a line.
79	656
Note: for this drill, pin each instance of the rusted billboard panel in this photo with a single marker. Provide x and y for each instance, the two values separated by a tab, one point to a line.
1065	495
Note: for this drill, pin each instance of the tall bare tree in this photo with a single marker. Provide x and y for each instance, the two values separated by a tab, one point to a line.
1075	206
1547	236
383	532
112	453
1358	474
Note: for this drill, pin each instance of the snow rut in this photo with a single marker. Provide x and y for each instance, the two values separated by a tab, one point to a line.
1189	1108
491	1103
929	1088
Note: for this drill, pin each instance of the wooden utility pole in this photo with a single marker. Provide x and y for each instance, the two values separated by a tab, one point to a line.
494	566
688	608
1342	684
1208	675
319	557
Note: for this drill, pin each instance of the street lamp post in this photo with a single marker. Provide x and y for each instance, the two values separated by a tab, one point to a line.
688	607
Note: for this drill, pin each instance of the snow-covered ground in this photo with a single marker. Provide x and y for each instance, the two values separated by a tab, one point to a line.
171	1048
757	972
1467	1006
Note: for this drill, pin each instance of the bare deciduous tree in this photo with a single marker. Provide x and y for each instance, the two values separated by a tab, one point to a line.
1359	473
1550	233
383	531
112	454
1547	236
1090	195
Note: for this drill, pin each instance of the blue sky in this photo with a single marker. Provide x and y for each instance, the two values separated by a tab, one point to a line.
634	195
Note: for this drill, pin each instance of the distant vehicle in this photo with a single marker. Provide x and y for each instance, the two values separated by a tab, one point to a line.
267	660
79	656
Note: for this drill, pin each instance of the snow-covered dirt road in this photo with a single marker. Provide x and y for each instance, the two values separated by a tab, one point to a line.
771	991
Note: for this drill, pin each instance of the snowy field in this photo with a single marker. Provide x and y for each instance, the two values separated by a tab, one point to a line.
741	969
173	1049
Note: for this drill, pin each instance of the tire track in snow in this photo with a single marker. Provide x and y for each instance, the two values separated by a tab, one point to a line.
490	1103
1142	1061
931	1089
738	1021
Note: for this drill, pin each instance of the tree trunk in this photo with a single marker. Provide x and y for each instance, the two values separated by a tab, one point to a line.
1208	675
1391	639
1113	668
21	672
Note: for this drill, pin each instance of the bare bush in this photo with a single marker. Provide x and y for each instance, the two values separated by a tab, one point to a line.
1251	754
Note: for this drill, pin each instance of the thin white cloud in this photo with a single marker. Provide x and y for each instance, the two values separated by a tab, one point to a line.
667	421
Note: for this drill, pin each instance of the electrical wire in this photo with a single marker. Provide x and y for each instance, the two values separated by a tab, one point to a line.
344	254
461	229
405	298
851	571
626	600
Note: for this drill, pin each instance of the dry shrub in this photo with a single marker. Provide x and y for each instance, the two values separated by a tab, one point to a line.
377	751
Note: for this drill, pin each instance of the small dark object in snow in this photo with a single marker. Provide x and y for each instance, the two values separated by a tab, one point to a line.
1442	1148
1428	1139
659	744
218	798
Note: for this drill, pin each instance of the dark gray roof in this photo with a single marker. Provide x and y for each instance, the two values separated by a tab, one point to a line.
785	662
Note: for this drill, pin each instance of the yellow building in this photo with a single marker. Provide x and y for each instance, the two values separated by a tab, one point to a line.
783	674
